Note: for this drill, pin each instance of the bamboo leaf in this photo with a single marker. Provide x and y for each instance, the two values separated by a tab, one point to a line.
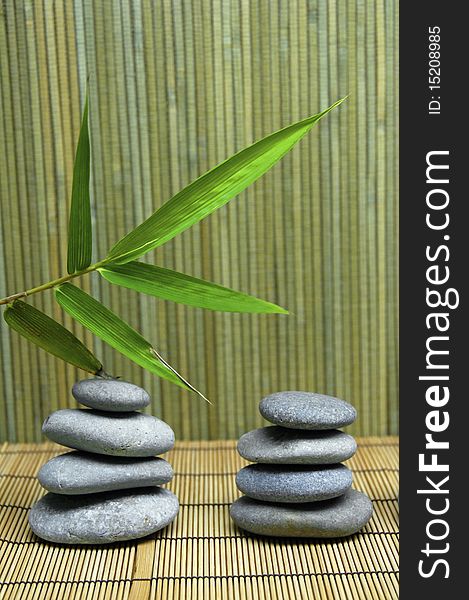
178	287
117	333
210	191
49	335
79	234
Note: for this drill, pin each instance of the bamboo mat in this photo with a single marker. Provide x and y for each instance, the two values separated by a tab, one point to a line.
202	555
176	87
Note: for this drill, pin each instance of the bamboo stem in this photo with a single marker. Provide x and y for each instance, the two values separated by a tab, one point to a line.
51	284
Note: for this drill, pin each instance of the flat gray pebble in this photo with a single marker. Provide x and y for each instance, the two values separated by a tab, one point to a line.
339	517
116	434
83	473
103	518
110	394
278	445
306	410
293	483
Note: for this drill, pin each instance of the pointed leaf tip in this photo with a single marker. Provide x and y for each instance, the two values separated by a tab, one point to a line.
114	331
211	191
178	375
178	287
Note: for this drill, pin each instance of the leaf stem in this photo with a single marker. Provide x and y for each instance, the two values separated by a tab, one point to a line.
52	284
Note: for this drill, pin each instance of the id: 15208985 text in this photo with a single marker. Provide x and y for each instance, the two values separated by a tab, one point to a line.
434	70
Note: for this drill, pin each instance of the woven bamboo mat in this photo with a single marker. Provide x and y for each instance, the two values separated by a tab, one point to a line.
202	555
175	88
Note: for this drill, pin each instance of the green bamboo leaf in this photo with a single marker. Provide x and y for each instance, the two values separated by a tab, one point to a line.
79	233
211	191
178	287
117	333
49	335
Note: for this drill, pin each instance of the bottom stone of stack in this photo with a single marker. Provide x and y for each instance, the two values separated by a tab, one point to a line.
338	517
103	518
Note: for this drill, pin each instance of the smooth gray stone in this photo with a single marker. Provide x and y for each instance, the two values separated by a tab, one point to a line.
110	394
293	483
103	518
83	473
117	434
277	445
306	410
338	517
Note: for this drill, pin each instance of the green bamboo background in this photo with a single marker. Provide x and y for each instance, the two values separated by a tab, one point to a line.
175	88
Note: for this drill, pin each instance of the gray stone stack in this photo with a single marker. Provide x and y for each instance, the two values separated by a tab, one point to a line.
107	489
299	487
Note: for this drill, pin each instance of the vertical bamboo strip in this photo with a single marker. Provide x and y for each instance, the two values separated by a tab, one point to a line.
345	207
307	352
169	397
244	336
82	72
381	194
363	202
250	228
120	169
328	273
200	150
373	201
314	270
46	363
392	208
14	190
7	425
191	248
233	389
25	168
351	198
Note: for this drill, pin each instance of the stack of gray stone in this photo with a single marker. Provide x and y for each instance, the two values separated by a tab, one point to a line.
108	488
299	487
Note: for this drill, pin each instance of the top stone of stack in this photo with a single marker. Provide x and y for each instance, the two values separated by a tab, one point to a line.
307	410
110	395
